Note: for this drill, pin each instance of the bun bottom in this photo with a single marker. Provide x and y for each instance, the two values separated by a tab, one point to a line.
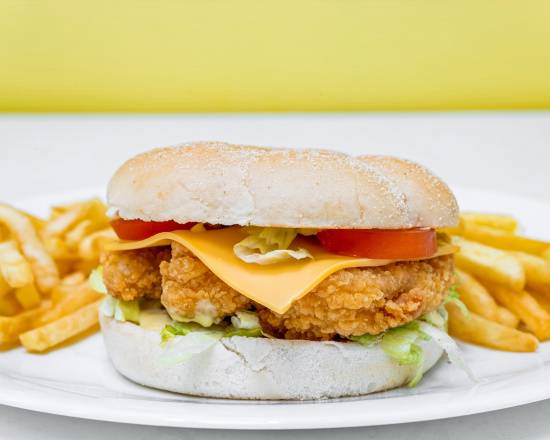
259	368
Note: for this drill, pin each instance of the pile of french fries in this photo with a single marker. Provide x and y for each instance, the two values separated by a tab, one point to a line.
504	280
45	298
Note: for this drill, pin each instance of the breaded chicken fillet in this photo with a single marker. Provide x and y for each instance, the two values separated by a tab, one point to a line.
349	302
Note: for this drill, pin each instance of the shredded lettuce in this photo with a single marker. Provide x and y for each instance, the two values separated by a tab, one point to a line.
401	345
269	246
129	311
108	305
120	310
247	332
177	329
454	297
366	339
182	340
245	320
96	280
448	345
179	349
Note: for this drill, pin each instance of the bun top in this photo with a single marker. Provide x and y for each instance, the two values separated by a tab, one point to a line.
219	183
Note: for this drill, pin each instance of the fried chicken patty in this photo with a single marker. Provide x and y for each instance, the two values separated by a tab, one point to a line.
134	274
349	302
352	302
189	288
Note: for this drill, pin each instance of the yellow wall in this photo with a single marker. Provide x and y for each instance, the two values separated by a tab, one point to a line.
226	55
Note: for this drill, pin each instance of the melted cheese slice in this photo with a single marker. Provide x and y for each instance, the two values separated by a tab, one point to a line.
274	286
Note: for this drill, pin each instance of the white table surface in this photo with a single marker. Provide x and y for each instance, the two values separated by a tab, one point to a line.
509	152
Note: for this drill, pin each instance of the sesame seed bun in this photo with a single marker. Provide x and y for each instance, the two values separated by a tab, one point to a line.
219	183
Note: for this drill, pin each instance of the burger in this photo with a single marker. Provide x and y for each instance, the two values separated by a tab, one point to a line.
260	273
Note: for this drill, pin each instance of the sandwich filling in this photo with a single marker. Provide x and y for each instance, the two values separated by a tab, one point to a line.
184	282
349	302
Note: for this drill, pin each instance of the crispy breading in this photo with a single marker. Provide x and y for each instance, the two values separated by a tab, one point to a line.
134	274
349	302
189	288
353	302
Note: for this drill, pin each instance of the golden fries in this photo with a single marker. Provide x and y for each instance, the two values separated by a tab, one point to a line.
475	296
525	307
506	317
9	305
497	221
33	253
479	330
489	263
50	335
16	271
90	247
503	239
537	270
11	327
42	264
75	298
5	288
513	269
27	296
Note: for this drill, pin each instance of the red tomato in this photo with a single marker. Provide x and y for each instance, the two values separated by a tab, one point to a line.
380	243
140	229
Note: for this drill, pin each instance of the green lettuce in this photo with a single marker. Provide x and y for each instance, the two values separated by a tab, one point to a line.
245	320
120	310
269	246
401	343
96	280
181	348
246	332
454	297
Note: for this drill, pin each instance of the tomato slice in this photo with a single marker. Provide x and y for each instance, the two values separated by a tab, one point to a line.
380	243
140	229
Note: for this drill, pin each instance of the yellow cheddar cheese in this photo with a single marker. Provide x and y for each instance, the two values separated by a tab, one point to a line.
274	286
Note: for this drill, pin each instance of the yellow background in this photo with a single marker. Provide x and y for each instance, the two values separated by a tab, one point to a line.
248	55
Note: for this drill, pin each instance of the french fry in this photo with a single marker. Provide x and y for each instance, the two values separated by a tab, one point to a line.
9	305
42	264
61	223
475	296
90	247
27	296
526	307
5	288
497	221
14	267
457	230
68	216
488	263
507	318
542	299
50	335
479	330
77	297
537	270
57	248
73	279
546	254
67	286
11	327
77	233
504	240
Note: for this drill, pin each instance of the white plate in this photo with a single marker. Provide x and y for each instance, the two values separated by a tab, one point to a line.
78	380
